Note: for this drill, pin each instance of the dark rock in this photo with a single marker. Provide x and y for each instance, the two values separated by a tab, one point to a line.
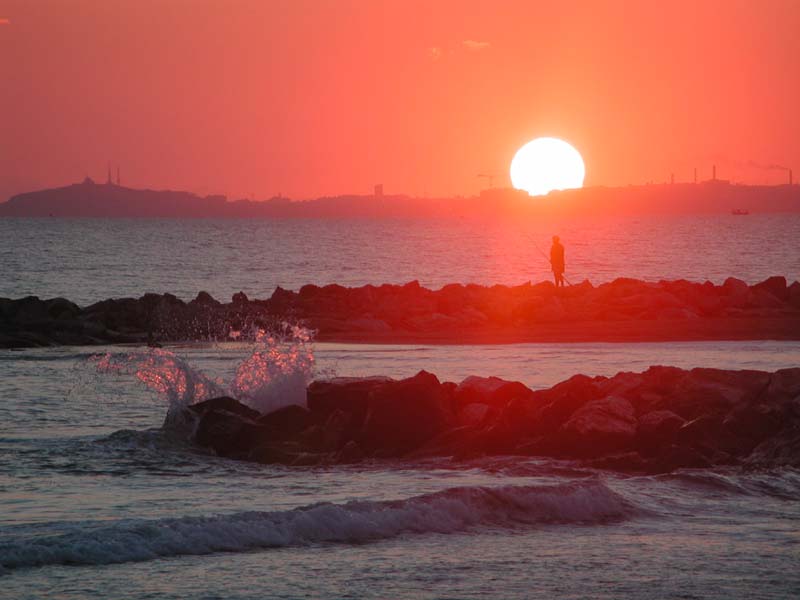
599	427
674	457
493	391
347	394
228	433
735	287
404	414
60	308
205	299
776	286
350	453
562	400
657	428
227	404
287	421
687	419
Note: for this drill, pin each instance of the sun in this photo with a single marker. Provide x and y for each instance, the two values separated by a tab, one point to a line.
547	164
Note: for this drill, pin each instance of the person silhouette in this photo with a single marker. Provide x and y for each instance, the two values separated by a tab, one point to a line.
557	261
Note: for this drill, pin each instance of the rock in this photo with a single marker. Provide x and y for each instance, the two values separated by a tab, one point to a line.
404	414
224	403
794	294
473	414
61	308
350	453
368	324
281	453
677	313
239	298
657	429
659	425
673	457
229	434
761	298
348	394
601	426
688	419
735	287
493	391
562	400
287	421
776	286
205	299
706	434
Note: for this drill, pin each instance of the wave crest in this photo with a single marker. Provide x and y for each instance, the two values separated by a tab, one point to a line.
454	510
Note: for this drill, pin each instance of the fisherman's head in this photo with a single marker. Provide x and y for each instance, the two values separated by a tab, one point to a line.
555	239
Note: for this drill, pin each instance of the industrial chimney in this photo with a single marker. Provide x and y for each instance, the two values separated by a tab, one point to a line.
714	172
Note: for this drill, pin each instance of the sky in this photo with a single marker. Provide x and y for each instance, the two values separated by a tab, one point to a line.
307	98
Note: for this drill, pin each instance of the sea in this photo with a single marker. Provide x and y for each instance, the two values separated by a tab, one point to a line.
98	500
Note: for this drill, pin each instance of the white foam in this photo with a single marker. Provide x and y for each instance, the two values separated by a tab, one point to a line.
275	374
451	511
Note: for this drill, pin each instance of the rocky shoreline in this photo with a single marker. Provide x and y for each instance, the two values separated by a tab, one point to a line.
622	310
652	422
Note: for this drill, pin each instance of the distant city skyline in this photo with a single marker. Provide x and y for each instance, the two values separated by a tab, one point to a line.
321	98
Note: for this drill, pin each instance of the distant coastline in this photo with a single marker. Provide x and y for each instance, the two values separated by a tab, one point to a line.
90	199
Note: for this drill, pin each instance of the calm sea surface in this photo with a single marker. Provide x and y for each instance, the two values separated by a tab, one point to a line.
96	501
87	260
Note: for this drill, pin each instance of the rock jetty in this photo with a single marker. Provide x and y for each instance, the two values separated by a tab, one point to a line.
652	422
622	310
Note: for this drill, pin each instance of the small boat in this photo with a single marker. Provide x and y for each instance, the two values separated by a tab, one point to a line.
740	211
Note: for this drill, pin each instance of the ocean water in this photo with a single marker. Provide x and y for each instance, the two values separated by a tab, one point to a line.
87	260
97	501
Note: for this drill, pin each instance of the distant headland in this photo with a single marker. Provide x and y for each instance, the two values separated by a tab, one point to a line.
109	199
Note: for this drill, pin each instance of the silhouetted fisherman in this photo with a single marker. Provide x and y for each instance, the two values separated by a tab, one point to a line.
557	261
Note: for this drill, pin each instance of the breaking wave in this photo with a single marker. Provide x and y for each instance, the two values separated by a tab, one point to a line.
454	510
276	374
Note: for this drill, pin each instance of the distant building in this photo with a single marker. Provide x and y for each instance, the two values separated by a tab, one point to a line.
378	190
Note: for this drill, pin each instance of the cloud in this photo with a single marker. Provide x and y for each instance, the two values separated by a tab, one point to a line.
769	167
435	53
748	164
474	45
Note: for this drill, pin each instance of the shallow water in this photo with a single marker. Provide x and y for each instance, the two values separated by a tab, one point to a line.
86	260
97	502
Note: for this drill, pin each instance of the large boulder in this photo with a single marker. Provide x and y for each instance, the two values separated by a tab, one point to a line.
656	429
404	414
601	426
492	391
222	424
776	286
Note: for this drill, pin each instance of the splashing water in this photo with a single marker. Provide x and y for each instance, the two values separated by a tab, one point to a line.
276	374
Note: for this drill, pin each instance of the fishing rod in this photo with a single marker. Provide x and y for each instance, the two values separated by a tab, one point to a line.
547	258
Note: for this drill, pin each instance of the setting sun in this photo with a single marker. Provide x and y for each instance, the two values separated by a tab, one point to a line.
547	164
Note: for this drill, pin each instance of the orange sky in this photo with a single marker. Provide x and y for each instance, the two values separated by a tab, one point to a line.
316	97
